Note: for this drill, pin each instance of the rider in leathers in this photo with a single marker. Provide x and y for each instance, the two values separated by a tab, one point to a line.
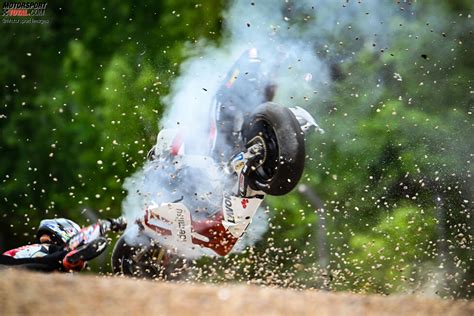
61	245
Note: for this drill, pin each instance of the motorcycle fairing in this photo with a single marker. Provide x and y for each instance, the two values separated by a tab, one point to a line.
219	233
238	213
28	251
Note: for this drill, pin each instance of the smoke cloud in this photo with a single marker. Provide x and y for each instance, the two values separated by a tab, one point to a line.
297	42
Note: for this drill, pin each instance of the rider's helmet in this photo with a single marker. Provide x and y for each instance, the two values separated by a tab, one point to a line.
60	230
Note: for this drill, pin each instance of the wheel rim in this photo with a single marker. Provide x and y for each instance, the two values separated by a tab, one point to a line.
268	167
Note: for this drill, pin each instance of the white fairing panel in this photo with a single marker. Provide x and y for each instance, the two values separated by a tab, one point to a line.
306	121
172	222
32	251
238	213
164	141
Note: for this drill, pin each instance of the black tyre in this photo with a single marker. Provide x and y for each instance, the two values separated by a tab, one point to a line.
276	127
149	261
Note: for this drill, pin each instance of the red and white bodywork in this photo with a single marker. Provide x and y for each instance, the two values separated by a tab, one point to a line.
173	224
28	251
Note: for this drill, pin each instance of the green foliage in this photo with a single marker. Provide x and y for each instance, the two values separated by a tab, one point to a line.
390	255
80	104
396	144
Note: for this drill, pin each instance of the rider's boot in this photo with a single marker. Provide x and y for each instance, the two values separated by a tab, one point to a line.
75	259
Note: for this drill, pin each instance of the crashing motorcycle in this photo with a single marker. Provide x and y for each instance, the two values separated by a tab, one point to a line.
260	150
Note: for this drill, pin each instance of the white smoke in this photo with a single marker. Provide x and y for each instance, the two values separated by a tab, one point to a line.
296	41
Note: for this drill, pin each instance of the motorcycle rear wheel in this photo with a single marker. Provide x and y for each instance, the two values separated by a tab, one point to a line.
150	261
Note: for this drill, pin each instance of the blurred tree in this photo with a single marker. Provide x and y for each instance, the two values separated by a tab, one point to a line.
81	103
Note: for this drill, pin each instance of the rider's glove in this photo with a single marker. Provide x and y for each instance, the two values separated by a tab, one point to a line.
118	224
112	224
